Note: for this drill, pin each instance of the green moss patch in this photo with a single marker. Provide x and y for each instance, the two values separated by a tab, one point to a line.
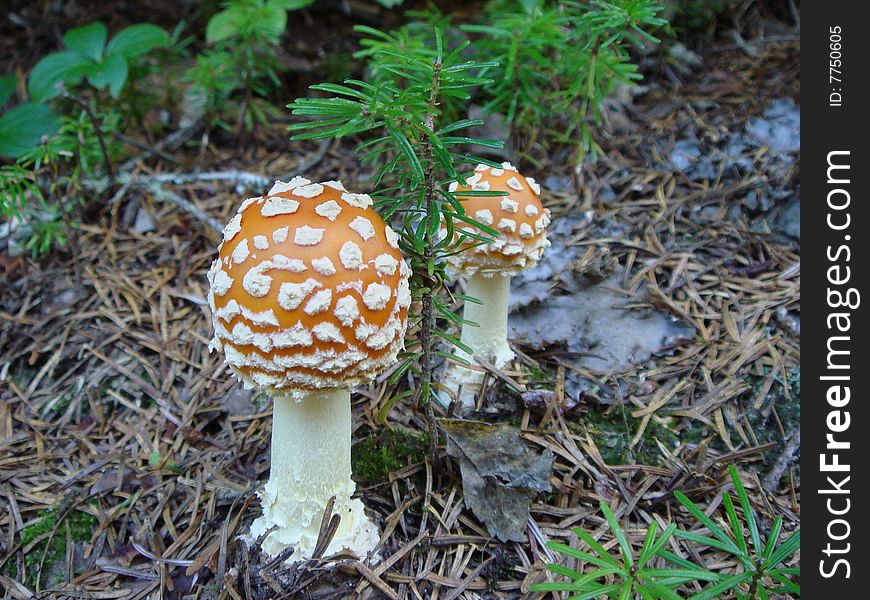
81	526
388	450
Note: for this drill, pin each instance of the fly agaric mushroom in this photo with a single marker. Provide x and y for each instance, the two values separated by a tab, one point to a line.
309	297
521	221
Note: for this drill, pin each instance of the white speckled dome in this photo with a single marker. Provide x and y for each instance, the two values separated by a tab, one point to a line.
309	290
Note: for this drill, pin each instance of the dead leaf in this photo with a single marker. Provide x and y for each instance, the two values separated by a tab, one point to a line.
500	474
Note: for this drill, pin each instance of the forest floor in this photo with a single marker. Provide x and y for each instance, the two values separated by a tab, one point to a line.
130	458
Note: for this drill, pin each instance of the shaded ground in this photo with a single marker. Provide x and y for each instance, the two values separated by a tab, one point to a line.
119	430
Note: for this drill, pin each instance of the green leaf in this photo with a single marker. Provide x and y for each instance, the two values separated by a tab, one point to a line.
408	151
646	550
677	560
789	585
606	562
49	73
578	581
663	539
710	542
715	591
707	521
772	537
7	88
595	545
111	72
272	19
748	513
736	526
89	40
662	591
224	25
618	533
789	546
682	574
137	40
598	592
22	127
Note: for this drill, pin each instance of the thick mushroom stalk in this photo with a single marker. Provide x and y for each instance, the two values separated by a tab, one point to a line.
311	464
489	338
309	297
521	222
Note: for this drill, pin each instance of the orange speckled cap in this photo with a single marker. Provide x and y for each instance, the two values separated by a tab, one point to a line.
519	217
309	290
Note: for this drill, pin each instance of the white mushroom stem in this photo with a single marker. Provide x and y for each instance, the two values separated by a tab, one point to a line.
310	464
489	339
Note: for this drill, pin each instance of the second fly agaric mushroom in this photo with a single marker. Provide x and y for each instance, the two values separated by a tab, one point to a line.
309	297
521	221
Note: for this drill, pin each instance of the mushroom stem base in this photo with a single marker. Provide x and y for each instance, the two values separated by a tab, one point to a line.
310	464
488	340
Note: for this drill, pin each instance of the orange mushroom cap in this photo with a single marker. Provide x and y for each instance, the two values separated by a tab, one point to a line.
519	217
309	290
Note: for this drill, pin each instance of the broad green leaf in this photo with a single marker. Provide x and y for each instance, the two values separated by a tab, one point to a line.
22	127
272	19
137	40
55	69
111	72
89	40
224	25
7	88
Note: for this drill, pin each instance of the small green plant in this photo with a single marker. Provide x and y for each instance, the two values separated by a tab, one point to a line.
552	62
417	150
89	56
627	576
561	59
43	188
622	576
241	61
761	559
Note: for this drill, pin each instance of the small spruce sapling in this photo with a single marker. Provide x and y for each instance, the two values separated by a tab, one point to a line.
418	152
761	571
558	61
